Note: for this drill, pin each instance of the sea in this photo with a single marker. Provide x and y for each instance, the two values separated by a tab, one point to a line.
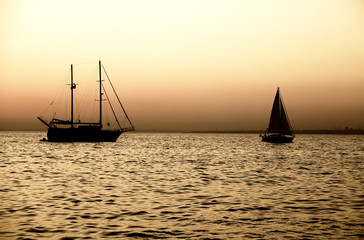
182	186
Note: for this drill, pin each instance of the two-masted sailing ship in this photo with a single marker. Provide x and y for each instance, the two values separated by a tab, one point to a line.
72	130
279	130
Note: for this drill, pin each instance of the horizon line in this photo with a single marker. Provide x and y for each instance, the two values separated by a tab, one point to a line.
299	131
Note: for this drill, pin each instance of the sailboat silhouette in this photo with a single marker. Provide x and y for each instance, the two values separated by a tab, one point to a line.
77	131
279	130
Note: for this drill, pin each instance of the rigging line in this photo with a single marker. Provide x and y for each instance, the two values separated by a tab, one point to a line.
56	95
47	109
284	109
61	89
117	96
112	109
85	96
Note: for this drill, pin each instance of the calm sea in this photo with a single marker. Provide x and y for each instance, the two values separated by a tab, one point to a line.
182	186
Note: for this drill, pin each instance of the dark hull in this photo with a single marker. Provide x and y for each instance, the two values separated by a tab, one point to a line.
85	134
277	138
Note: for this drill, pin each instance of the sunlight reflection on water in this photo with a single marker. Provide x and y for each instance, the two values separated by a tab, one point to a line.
187	186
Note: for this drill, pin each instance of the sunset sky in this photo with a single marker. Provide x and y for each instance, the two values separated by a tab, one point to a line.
189	65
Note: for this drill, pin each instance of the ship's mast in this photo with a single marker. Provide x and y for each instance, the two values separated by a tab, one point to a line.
72	87
100	94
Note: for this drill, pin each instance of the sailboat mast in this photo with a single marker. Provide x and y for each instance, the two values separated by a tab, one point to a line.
72	87
100	85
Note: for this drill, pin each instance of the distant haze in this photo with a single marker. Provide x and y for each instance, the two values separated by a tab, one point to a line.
189	65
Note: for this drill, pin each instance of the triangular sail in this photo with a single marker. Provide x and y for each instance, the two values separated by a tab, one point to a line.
274	123
285	125
279	122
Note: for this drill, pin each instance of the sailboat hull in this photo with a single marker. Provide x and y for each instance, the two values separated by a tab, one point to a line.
277	138
82	134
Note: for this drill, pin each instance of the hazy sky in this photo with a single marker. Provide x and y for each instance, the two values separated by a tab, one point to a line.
189	65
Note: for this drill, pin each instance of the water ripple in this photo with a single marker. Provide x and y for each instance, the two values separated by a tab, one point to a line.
182	186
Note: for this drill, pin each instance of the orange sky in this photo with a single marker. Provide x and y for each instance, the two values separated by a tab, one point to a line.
190	65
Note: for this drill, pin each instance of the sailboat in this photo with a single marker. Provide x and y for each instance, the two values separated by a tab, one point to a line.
78	131
279	130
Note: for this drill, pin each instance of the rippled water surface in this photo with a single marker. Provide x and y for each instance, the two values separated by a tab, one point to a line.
182	186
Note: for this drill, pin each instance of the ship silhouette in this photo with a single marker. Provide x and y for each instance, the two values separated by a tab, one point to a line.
60	130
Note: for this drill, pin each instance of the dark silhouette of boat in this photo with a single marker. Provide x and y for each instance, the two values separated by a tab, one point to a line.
279	130
77	131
